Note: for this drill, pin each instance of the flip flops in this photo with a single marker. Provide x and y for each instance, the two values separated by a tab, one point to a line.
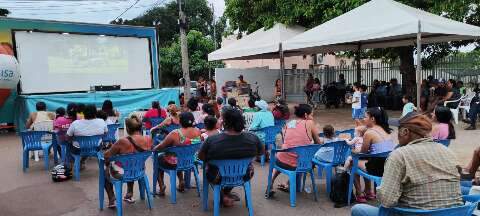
130	200
283	188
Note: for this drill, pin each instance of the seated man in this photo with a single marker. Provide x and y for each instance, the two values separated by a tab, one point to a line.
233	143
419	174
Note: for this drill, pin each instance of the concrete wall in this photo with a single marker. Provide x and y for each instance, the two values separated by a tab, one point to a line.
263	76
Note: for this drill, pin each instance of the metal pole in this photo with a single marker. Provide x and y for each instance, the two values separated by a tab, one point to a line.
282	70
419	61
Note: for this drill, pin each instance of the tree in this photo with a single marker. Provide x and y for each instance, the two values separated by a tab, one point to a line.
4	12
248	16
198	48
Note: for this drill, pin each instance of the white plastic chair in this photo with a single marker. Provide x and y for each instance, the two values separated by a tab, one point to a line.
454	111
43	126
248	116
464	105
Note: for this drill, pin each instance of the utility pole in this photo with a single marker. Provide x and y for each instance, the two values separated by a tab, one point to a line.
184	50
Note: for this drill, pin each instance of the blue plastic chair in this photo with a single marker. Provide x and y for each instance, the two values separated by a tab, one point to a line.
269	140
304	165
153	122
200	126
341	151
471	203
356	171
32	141
232	172
110	136
446	142
134	170
280	123
351	132
89	147
186	157
157	138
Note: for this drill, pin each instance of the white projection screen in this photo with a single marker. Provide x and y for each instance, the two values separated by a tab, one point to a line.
56	62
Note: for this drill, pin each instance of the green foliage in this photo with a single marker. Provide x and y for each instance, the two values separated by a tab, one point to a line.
198	48
4	12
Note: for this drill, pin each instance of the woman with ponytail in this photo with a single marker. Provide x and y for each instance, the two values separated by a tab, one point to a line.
155	112
375	140
444	128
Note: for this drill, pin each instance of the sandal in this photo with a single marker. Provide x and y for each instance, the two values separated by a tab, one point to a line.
181	187
284	188
161	191
112	205
361	199
130	200
269	195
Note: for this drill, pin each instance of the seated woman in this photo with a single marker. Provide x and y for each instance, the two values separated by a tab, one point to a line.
375	140
186	135
281	111
298	132
233	143
210	127
63	122
193	107
40	115
443	129
173	119
112	114
155	112
263	118
134	142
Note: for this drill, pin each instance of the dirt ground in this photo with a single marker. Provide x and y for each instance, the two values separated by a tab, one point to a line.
33	192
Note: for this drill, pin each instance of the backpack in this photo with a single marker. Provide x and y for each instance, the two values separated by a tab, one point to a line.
339	187
60	173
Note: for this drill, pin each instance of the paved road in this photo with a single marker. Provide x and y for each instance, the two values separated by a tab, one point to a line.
33	193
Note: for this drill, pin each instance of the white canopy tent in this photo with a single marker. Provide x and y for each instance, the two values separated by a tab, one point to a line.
381	24
259	44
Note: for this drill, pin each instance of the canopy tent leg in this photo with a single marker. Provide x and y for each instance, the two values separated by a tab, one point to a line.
419	62
282	70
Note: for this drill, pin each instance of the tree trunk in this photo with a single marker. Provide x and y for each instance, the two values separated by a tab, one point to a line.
407	69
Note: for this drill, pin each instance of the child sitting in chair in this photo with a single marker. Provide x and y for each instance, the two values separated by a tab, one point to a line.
325	154
356	144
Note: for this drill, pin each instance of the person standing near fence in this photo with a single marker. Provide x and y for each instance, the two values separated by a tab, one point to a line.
308	88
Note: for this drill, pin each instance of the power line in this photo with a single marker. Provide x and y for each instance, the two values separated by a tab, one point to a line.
127	9
83	11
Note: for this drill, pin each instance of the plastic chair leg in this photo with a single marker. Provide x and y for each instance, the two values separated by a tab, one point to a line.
303	182
147	191
46	158
350	182
173	186
314	187
299	182
187	176
118	196
101	186
248	198
216	200
293	187
205	190
155	174
141	188
319	172
25	160
328	172
197	180
76	167
270	173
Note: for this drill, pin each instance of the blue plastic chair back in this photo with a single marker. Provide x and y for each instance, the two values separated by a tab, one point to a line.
112	132
185	155
280	123
200	126
270	134
348	131
341	150
89	145
471	203
133	165
445	142
159	137
156	121
304	156
32	140
232	171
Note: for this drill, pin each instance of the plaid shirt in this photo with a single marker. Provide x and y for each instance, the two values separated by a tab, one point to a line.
421	175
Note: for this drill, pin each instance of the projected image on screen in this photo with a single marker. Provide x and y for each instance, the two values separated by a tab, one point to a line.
73	62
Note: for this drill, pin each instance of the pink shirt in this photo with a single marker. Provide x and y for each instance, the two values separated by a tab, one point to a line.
295	135
441	132
62	123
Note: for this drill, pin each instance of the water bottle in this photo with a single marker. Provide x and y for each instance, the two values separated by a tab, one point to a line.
308	184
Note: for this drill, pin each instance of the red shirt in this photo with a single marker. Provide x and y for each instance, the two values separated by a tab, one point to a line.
153	113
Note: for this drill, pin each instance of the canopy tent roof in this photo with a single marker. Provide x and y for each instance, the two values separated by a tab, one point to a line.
259	44
379	24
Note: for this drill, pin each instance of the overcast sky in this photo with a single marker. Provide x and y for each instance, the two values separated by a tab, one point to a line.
92	11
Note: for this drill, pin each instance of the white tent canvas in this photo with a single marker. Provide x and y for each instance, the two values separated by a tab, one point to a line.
379	24
259	44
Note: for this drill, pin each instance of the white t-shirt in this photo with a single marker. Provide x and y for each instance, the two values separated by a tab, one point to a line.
356	100
87	127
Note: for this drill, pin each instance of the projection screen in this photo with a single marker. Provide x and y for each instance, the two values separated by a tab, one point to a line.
61	62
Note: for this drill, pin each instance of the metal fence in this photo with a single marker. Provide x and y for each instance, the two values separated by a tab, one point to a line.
466	69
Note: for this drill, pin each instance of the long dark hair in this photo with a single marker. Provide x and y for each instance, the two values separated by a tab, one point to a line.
156	105
107	107
72	111
381	118
444	116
